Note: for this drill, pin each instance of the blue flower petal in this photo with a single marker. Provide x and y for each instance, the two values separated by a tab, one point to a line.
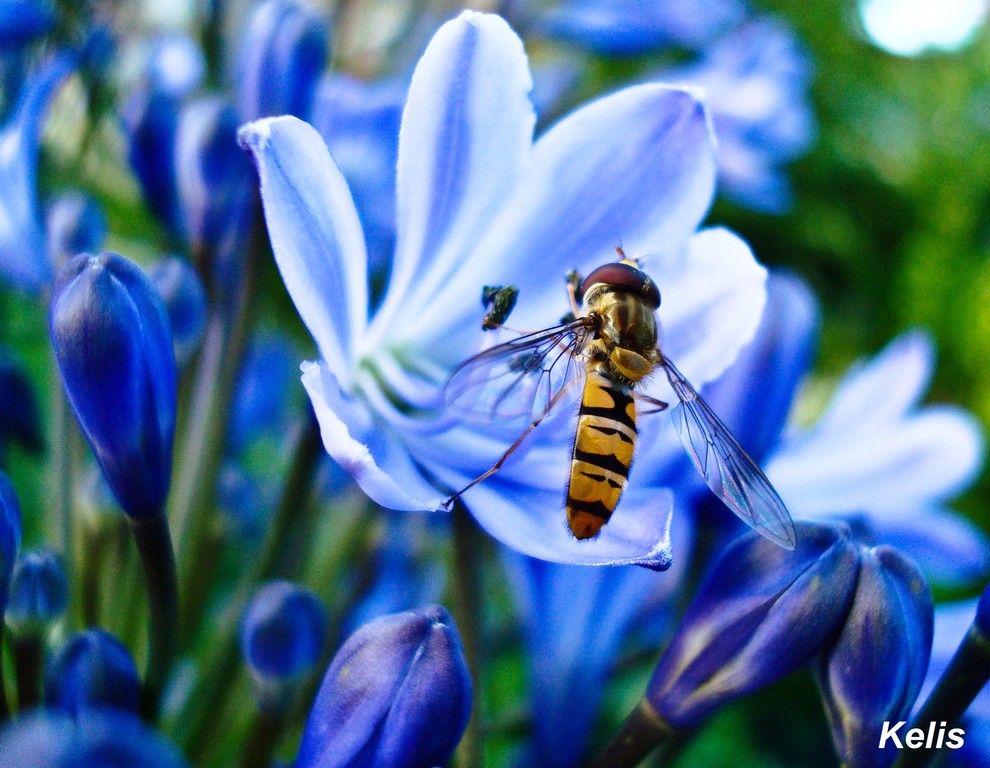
22	241
371	454
466	134
636	167
315	234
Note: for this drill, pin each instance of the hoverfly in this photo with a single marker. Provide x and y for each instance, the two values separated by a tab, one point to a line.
612	343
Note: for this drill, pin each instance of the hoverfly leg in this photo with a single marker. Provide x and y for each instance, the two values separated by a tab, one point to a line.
511	449
657	405
573	288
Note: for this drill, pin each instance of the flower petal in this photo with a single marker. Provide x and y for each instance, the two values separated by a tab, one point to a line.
466	133
315	234
22	241
635	167
381	466
713	298
638	533
890	468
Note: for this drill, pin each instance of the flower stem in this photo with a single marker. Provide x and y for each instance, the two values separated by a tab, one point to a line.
468	543
4	706
154	544
963	679
262	740
642	732
29	654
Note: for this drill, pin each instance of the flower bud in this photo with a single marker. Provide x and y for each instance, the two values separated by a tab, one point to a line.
39	594
75	224
178	283
97	739
760	614
151	120
175	65
214	177
283	52
92	669
114	352
397	693
10	536
874	670
283	634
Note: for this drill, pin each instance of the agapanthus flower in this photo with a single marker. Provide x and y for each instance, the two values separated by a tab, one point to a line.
478	203
756	82
889	466
630	27
23	260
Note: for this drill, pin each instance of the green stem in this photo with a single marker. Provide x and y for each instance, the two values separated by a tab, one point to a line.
4	706
467	588
642	732
29	654
262	740
963	679
154	544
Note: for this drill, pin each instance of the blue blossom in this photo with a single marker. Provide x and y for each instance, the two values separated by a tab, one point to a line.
96	739
10	536
182	291
92	669
478	203
756	83
397	693
23	261
889	466
630	27
112	343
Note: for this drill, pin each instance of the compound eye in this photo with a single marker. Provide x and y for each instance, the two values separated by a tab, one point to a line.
627	278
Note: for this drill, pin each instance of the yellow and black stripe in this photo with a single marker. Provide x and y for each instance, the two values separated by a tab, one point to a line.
603	452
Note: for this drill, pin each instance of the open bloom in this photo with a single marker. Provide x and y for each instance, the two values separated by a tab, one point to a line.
479	203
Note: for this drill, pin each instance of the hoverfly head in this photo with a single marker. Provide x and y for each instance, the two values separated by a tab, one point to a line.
624	275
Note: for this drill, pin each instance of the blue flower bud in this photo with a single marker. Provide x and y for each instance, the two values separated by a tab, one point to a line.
397	693
175	65
39	593
267	378
18	407
95	739
92	669
21	21
760	614
215	180
283	52
10	536
874	671
283	633
112	343
151	120
178	283
75	224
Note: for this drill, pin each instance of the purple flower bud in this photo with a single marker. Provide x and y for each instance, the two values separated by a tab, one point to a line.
97	739
75	224
760	614
39	593
178	283
282	55
397	693
283	634
89	670
112	342
10	536
874	671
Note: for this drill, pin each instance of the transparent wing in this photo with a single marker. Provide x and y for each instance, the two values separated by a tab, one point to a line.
521	379
729	471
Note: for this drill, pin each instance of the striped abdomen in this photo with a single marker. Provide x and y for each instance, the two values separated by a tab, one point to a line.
603	451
